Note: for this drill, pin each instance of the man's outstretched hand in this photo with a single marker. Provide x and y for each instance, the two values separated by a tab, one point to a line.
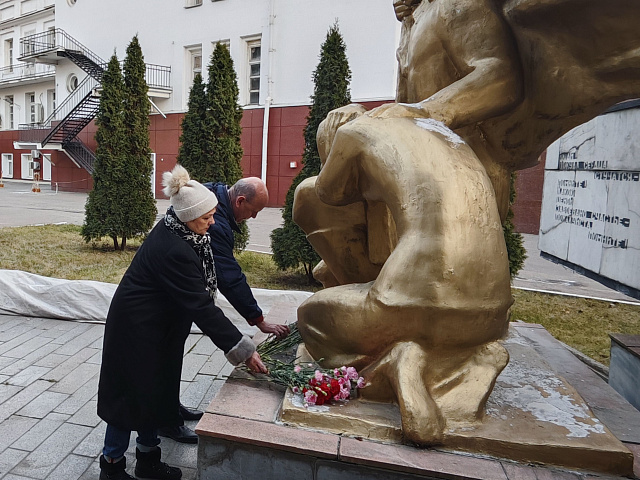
280	331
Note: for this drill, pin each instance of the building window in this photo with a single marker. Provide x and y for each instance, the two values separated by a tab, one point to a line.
71	2
10	111
192	3
72	82
32	107
28	43
7	165
27	166
226	43
51	37
194	60
51	101
254	72
8	54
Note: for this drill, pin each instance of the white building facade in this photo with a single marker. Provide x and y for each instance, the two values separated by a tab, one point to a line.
275	46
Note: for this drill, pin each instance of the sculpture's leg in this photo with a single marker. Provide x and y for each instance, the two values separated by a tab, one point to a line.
338	234
403	372
462	383
332	327
435	388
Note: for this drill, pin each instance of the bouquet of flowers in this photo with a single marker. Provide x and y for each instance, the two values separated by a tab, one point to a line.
317	385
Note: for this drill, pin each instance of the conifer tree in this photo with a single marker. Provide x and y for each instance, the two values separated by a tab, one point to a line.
225	114
103	209
331	78
191	154
515	249
136	196
210	147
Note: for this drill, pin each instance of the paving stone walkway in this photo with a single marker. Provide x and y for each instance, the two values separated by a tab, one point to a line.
49	371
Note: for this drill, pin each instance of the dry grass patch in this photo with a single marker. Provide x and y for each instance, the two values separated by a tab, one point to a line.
59	251
262	272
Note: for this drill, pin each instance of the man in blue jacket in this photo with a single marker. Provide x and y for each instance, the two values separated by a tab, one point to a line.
244	200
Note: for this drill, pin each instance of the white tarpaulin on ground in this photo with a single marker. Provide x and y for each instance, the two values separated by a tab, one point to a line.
31	295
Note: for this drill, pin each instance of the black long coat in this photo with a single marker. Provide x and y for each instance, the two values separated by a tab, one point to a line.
150	317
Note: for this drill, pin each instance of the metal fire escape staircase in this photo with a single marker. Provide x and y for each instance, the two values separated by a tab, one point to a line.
64	124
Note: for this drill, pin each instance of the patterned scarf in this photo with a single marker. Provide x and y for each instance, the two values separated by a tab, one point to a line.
202	246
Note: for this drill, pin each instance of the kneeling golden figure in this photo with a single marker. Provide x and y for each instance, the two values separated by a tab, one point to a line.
405	219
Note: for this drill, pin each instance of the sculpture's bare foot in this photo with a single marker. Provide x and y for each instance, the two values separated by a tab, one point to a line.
403	369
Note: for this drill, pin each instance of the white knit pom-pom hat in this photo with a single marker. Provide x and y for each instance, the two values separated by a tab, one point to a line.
190	199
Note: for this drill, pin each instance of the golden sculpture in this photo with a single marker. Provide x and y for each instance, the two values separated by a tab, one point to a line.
406	214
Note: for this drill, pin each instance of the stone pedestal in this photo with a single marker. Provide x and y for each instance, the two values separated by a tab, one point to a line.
535	416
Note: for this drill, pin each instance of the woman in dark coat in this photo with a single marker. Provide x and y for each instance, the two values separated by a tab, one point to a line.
170	284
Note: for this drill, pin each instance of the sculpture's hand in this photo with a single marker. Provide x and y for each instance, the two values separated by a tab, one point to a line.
280	331
405	8
398	110
254	363
339	116
329	126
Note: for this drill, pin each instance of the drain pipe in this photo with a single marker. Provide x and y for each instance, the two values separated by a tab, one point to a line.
265	140
269	100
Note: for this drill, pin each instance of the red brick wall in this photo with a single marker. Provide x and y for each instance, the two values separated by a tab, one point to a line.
164	140
6	146
528	204
285	146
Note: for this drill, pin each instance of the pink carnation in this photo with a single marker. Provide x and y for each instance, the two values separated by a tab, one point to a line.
361	383
318	375
345	392
352	373
297	368
295	389
310	397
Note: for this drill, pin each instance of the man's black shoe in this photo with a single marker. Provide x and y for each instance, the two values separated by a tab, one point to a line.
190	413
180	434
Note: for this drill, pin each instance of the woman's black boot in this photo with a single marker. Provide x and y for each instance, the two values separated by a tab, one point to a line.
148	465
114	471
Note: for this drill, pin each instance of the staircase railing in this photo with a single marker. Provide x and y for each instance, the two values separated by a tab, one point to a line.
82	155
51	40
81	106
85	87
25	71
37	132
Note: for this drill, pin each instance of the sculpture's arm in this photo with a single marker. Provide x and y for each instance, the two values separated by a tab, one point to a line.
337	183
483	50
481	47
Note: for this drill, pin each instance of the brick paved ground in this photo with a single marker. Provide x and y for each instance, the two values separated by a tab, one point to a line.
49	372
